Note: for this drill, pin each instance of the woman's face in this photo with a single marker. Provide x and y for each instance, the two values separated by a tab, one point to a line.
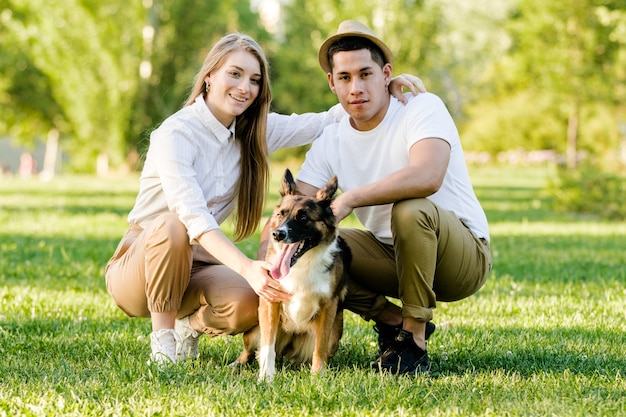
234	86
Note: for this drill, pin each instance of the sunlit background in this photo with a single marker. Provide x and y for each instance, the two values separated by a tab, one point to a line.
83	82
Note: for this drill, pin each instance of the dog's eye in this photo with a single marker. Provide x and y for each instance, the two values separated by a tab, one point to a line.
302	217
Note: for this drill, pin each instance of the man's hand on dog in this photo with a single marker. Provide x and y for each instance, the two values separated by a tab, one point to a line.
342	207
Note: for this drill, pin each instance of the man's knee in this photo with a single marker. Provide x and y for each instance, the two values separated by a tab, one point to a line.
407	215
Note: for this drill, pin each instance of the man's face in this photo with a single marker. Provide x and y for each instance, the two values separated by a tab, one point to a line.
361	86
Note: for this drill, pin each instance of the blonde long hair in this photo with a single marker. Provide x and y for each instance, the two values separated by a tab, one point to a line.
250	131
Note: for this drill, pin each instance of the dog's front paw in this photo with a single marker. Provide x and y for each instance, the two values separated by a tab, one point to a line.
266	374
267	363
317	364
266	377
317	370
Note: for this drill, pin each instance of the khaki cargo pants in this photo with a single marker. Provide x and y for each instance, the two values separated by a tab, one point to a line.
434	256
157	270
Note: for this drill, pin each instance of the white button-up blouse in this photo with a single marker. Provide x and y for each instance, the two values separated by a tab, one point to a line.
192	164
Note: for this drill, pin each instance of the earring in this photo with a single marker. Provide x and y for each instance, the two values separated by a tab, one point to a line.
207	87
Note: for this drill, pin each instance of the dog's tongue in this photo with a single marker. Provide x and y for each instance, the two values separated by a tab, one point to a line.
282	263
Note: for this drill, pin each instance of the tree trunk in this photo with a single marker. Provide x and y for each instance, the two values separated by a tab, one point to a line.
51	155
572	135
102	165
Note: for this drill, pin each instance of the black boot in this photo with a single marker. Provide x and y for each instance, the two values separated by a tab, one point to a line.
403	356
387	335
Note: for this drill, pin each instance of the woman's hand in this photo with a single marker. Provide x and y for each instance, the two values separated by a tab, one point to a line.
257	275
408	81
255	272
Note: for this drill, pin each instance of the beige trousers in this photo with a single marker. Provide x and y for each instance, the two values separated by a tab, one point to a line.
157	270
434	256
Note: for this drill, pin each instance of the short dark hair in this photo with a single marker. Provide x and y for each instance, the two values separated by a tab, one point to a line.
355	43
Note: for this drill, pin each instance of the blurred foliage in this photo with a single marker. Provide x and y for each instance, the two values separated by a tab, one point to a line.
28	107
514	73
88	53
565	69
83	60
590	189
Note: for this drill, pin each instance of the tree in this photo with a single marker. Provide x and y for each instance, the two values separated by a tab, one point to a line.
570	52
107	71
87	51
28	109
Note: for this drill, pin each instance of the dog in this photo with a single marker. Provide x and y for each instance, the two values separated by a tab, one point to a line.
311	261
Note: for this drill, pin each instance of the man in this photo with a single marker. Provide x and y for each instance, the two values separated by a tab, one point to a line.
401	169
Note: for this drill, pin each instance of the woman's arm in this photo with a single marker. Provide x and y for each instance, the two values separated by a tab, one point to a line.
408	81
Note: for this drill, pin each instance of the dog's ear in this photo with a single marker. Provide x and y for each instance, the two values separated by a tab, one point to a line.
327	192
288	185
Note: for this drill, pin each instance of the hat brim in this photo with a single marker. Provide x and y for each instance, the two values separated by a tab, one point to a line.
323	53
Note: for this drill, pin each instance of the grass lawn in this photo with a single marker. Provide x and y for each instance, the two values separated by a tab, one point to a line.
545	336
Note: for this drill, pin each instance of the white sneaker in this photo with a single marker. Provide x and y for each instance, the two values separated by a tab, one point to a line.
189	339
164	344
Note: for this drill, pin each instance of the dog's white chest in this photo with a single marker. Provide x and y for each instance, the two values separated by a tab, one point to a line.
309	282
299	313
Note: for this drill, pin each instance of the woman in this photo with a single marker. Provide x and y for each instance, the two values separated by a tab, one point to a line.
174	264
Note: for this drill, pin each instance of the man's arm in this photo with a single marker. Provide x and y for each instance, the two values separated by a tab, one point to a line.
428	162
307	189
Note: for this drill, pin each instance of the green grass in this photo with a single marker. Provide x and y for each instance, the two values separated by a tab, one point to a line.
545	336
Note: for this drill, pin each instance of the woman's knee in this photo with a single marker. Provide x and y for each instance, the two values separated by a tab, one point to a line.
245	312
235	315
168	230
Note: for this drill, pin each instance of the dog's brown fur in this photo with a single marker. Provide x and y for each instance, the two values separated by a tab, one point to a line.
308	327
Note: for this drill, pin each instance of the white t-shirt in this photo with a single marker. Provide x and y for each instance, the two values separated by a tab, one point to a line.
362	157
193	164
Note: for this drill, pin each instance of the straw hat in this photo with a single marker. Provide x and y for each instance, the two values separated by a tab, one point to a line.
352	28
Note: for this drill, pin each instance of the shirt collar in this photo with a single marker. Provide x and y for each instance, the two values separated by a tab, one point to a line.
231	129
222	133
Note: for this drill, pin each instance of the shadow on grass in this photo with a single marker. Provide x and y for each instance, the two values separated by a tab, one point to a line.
556	260
552	351
543	351
83	348
516	203
67	210
51	262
